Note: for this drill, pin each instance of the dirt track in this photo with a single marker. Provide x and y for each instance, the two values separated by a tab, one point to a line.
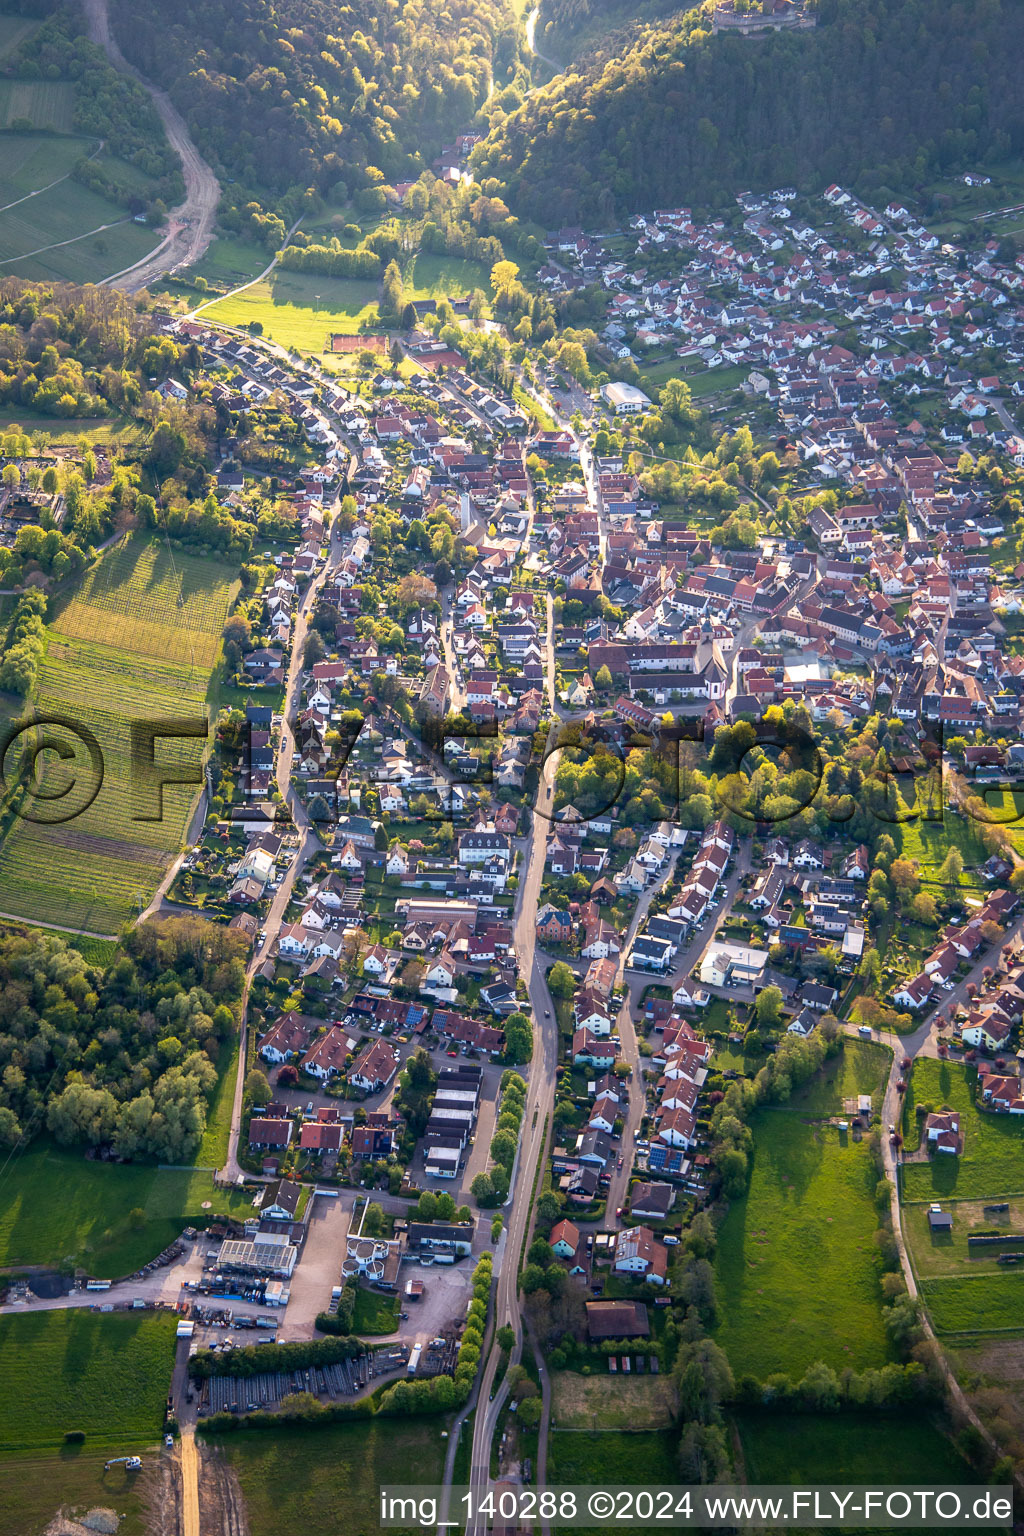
189	227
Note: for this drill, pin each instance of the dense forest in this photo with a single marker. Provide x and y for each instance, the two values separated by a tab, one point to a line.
881	94
310	94
122	1058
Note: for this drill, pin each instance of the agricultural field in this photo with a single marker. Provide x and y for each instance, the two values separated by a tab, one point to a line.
57	1205
797	1267
49	105
328	1480
298	309
611	1402
13	32
71	430
137	641
34	1487
77	1369
66	231
992	1165
846	1448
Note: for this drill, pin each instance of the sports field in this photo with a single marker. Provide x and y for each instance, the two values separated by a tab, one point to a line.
797	1267
136	642
299	309
77	1369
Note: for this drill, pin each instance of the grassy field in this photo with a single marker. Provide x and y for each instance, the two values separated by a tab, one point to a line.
57	1206
938	1254
611	1402
847	1448
992	1165
49	105
213	1149
287	307
797	1271
34	1486
76	1369
120	649
860	1067
928	842
232	261
647	1458
983	1303
430	276
329	1480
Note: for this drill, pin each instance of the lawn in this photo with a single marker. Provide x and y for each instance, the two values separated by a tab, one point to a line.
287	305
992	1165
374	1313
329	1480
432	276
797	1268
49	105
78	1369
611	1402
34	1486
983	1303
57	1205
136	641
847	1448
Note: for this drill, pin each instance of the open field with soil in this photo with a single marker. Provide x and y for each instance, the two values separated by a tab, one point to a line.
287	307
329	1480
797	1268
992	1165
34	1487
611	1402
109	1217
137	641
76	1369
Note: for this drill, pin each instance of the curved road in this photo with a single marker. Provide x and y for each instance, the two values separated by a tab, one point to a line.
189	227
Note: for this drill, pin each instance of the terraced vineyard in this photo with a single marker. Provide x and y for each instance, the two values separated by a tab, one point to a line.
123	648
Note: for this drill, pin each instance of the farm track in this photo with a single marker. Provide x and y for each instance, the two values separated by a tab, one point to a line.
190	226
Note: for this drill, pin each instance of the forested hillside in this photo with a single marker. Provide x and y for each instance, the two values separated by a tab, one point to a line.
881	93
306	93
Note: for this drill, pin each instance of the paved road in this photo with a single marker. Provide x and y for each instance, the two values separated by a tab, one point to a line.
308	843
190	226
539	1104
